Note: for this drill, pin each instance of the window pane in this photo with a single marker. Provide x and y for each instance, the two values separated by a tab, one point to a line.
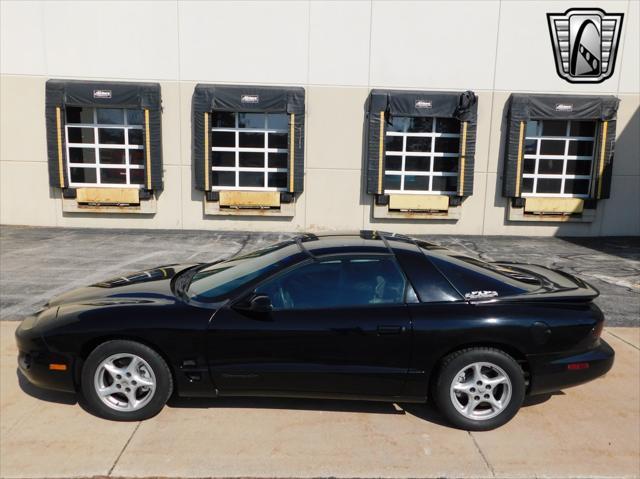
251	160
552	147
446	164
447	145
399	123
445	183
278	140
224	119
278	180
278	121
135	117
417	163
80	135
136	177
392	182
581	148
372	281
224	178
527	185
554	128
110	116
113	175
136	137
252	140
448	125
83	175
250	178
111	136
576	187
583	128
420	125
76	114
416	183
529	165
418	143
532	128
393	163
112	156
530	147
223	139
393	143
549	185
251	120
136	157
579	167
550	167
223	158
278	160
82	155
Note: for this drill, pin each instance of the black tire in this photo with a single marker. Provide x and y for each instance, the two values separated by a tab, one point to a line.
457	361
163	380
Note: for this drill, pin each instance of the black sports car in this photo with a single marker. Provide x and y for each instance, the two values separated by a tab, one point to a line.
364	316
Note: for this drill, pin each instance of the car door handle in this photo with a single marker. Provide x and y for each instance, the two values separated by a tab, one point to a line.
387	329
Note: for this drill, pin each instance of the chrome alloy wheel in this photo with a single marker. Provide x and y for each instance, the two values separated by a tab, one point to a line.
480	391
124	382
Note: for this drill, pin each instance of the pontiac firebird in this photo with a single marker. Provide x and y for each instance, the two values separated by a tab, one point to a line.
370	315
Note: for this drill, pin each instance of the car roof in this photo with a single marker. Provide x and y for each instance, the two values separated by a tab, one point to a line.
364	241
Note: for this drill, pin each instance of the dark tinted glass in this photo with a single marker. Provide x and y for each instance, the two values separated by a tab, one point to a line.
278	140
251	159
530	147
550	167
224	119
445	183
420	125
224	178
113	175
278	121
251	179
417	163
111	136
223	158
552	147
448	125
111	156
110	116
251	140
136	136
532	128
223	138
393	163
278	160
83	175
135	117
549	185
581	148
554	128
418	143
251	120
579	167
447	145
445	164
136	157
337	283
80	135
428	283
277	180
136	177
393	143
576	187
82	155
529	165
583	128
469	275
527	185
416	182
392	182
76	114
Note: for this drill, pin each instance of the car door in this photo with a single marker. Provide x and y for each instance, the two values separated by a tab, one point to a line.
339	326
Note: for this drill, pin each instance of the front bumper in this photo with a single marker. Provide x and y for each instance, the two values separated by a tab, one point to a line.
550	372
35	360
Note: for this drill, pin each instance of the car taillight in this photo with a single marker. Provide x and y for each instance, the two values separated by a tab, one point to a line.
577	366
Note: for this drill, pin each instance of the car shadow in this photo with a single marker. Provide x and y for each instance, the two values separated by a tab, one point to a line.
45	394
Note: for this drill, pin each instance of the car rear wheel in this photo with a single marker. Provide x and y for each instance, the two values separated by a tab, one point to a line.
125	381
479	389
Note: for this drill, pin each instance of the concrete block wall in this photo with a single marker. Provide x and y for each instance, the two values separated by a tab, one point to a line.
338	51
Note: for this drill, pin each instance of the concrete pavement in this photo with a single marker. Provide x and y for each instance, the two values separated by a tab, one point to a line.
589	431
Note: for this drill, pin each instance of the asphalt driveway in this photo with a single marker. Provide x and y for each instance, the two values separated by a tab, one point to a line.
37	263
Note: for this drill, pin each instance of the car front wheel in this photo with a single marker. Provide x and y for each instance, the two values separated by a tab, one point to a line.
479	389
125	381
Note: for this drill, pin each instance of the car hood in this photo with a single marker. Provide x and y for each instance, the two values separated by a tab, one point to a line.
140	285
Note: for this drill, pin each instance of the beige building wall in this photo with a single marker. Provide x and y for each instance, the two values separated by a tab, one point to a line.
338	51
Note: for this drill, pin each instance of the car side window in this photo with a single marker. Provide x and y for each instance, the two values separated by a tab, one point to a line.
332	283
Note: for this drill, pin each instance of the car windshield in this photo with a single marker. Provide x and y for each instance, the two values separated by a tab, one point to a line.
219	279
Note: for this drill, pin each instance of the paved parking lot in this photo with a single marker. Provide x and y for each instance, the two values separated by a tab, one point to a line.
588	431
37	263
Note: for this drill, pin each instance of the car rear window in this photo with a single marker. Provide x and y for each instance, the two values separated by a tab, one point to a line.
477	279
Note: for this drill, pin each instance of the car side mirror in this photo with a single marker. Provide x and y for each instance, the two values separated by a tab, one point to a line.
259	303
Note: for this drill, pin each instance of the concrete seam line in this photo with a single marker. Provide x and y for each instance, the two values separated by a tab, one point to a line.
623	340
484	458
124	448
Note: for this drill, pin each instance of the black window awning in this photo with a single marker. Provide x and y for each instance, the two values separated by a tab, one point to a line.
247	98
102	94
385	104
524	107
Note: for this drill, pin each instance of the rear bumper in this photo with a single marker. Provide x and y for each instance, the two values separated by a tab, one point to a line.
550	373
35	360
